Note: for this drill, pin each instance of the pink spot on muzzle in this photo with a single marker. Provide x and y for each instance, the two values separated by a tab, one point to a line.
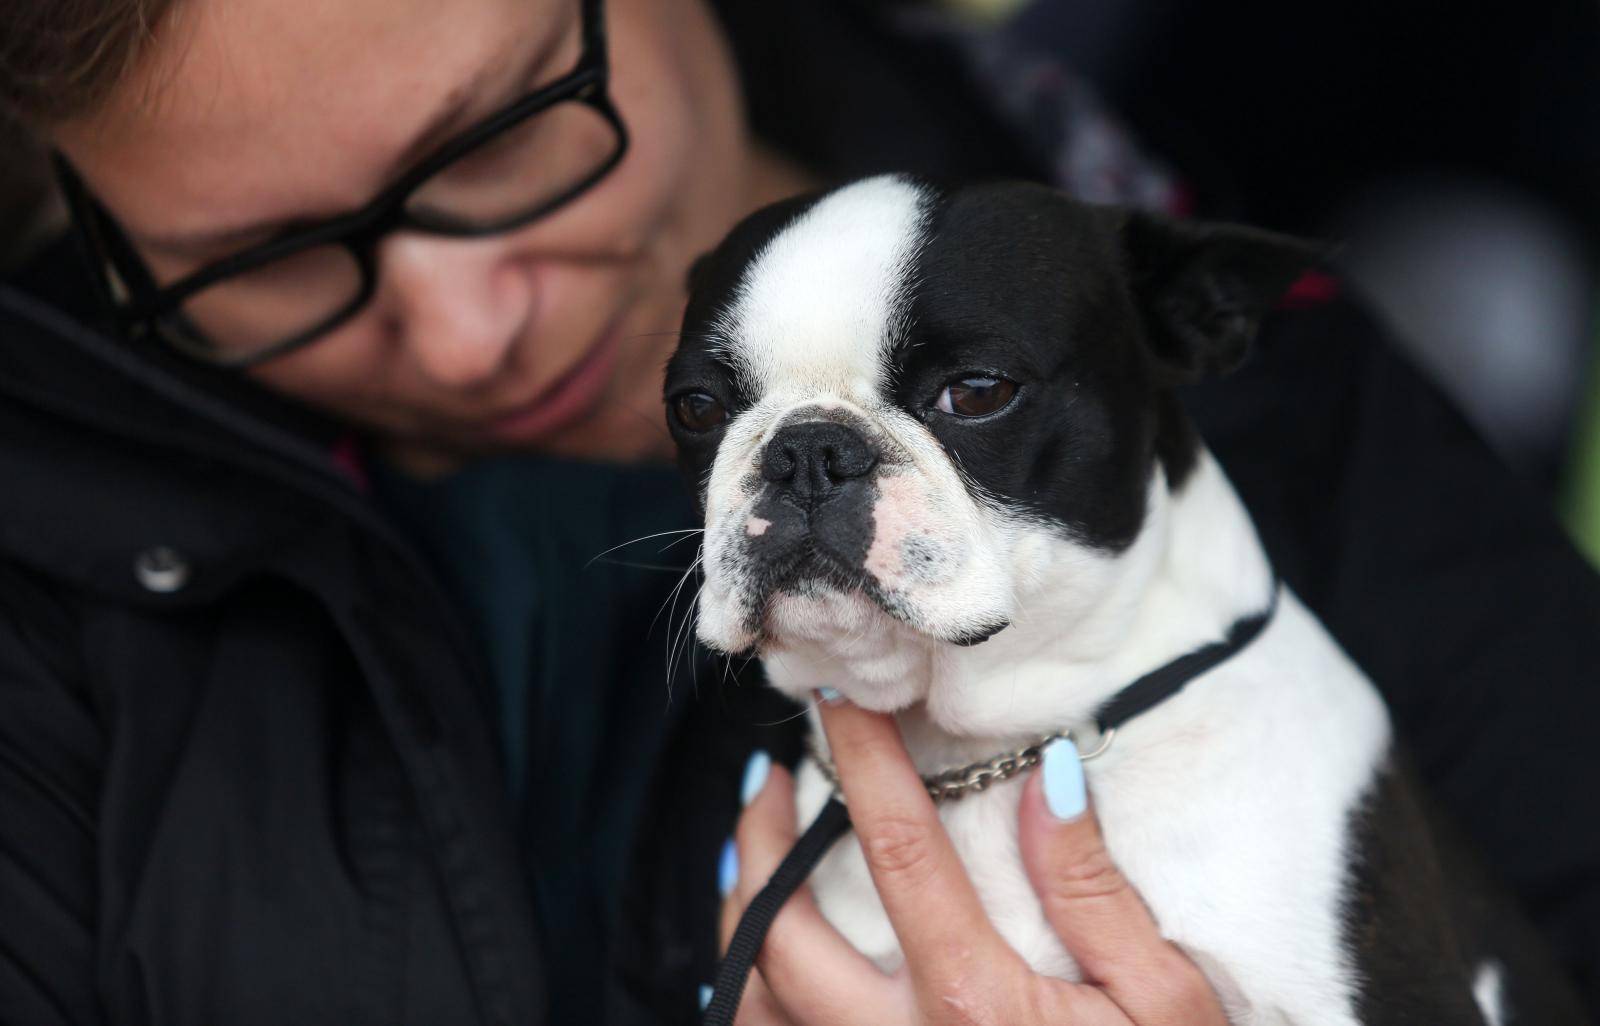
896	516
755	527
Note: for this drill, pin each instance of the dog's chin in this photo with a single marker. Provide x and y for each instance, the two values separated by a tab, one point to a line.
820	633
821	615
819	610
845	640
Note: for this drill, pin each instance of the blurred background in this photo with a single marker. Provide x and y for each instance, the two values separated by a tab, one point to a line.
1452	149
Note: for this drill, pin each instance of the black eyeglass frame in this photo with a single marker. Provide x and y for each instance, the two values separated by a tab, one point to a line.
149	307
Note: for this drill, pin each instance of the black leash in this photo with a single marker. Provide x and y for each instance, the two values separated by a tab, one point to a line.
833	821
830	825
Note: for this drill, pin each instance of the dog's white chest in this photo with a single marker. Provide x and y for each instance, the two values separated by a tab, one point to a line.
1228	812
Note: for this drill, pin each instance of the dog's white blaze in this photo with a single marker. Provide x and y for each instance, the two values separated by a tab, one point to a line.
1226	807
826	324
1488	990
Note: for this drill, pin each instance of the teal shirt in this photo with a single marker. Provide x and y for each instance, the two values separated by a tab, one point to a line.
577	645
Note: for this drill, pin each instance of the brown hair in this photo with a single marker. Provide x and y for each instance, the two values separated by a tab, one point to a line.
60	58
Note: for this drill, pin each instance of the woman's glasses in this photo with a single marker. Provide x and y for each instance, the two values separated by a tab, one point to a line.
511	168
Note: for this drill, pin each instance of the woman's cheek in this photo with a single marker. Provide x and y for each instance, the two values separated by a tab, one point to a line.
349	373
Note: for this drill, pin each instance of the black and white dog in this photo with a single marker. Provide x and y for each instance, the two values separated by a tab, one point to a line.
943	471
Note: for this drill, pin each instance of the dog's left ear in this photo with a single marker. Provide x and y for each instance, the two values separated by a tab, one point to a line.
1203	288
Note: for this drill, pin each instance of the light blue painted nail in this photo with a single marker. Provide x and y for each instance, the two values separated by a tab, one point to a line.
728	868
705	996
830	695
755	776
1064	790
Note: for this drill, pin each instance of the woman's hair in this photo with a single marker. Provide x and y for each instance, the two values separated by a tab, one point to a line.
60	58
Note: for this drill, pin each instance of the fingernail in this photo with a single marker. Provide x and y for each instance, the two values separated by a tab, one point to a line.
755	776
705	996
728	868
1064	791
830	696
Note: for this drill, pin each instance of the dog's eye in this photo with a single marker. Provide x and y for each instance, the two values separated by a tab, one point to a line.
699	412
976	396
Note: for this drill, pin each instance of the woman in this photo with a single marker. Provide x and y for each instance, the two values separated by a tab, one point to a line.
359	260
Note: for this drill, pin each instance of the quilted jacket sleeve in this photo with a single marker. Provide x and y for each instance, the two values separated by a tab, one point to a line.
50	747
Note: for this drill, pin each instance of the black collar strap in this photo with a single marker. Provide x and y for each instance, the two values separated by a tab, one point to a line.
1165	681
833	821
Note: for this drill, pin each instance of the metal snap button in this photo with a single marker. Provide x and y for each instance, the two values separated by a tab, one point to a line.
161	569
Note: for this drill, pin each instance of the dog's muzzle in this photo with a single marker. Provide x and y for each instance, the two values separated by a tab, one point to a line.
814	521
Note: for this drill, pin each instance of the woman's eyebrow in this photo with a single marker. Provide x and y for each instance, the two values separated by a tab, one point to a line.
448	119
443	123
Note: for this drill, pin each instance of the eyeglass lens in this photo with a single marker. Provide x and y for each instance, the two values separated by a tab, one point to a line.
259	309
523	168
539	161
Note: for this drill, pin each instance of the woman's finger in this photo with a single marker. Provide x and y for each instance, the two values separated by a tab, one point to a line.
1093	908
767	827
732	909
757	1006
812	971
931	903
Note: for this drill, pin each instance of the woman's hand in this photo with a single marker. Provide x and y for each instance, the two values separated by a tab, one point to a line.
957	969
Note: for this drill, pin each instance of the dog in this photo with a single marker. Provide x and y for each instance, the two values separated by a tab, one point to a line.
944	471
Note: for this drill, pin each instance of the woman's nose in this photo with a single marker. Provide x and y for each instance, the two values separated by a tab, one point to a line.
460	305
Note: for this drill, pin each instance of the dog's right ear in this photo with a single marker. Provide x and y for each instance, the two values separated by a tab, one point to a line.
1203	289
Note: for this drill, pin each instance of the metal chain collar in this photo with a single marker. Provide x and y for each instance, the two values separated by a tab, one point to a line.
948	785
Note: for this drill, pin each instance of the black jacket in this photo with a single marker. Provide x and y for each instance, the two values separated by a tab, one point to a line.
247	767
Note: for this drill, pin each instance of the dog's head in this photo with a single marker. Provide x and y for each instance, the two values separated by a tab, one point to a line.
905	410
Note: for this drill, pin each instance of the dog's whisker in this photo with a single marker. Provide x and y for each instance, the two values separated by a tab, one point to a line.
671	605
807	707
631	564
644	538
676	591
676	588
683	647
675	635
686	643
729	673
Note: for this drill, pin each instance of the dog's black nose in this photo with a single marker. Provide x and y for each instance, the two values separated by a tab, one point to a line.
810	459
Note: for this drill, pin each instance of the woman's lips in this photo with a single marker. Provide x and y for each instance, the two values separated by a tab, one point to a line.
567	399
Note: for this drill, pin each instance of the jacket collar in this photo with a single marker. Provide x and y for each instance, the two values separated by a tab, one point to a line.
113	452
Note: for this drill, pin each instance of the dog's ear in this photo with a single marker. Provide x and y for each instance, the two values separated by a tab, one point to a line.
1204	288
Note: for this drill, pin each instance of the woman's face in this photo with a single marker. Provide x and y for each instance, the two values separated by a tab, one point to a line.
250	113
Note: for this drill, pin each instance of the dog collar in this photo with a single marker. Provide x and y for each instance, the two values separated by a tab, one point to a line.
1139	697
948	785
1143	694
